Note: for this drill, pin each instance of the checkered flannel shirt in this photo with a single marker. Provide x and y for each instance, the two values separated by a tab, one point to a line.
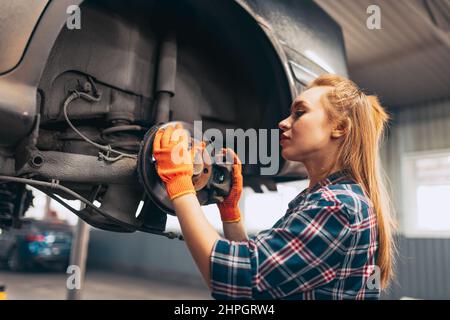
324	247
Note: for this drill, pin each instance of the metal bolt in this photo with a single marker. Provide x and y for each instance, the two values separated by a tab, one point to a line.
37	161
87	87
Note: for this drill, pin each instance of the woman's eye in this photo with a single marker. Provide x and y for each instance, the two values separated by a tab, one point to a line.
298	113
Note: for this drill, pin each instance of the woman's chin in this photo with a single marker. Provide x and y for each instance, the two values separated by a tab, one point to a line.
285	154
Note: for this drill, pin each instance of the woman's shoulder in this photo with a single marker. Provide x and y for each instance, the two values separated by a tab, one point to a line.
348	196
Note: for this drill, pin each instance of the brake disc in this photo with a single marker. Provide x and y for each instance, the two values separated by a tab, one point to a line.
211	179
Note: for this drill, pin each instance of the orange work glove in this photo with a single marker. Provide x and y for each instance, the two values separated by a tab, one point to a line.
229	210
174	162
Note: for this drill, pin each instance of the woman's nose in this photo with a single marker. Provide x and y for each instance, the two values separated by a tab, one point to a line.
284	124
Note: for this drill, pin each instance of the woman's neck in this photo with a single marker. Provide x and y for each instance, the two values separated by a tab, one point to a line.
319	169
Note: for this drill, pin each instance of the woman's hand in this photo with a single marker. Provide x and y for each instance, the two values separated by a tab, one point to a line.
229	209
174	162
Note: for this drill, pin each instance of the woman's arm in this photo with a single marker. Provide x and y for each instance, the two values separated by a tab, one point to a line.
235	231
198	233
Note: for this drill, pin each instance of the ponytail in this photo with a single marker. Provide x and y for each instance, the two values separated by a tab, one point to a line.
379	115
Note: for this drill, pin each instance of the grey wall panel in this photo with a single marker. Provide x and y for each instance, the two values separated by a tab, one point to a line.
422	270
143	254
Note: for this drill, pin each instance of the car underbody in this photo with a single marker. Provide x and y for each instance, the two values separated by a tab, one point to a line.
77	104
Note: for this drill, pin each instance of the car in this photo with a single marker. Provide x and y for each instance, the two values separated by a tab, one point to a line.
38	243
83	84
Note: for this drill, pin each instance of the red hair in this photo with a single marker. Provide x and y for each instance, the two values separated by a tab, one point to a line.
364	120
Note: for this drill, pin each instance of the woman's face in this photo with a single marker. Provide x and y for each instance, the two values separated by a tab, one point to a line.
307	132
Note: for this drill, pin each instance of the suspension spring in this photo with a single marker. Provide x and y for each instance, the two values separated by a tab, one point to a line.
124	137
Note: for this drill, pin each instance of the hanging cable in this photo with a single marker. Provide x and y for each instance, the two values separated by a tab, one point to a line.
55	185
107	148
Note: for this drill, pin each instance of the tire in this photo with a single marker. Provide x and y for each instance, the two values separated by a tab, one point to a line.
14	262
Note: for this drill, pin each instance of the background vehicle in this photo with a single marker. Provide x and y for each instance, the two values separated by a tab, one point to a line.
134	64
37	243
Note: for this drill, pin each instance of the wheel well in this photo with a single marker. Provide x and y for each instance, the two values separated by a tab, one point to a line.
229	74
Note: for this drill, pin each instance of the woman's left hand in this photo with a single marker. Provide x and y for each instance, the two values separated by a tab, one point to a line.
229	209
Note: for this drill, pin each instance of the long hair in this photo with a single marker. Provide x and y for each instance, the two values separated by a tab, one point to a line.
363	120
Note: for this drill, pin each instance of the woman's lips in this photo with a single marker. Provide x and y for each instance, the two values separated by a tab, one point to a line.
283	139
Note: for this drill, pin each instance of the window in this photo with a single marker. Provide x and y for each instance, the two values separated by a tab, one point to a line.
262	210
426	194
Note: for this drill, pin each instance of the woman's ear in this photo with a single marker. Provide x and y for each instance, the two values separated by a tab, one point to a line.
341	128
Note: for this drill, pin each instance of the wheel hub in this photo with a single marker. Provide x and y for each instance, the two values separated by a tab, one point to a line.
212	180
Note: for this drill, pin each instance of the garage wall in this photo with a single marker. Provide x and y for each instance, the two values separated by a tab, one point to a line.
423	264
416	128
143	254
422	269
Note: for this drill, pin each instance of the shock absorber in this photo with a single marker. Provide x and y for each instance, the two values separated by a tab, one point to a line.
15	200
6	204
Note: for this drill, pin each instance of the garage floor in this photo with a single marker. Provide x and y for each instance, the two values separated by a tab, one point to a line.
99	285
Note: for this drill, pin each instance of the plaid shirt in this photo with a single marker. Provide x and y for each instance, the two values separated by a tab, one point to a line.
324	247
